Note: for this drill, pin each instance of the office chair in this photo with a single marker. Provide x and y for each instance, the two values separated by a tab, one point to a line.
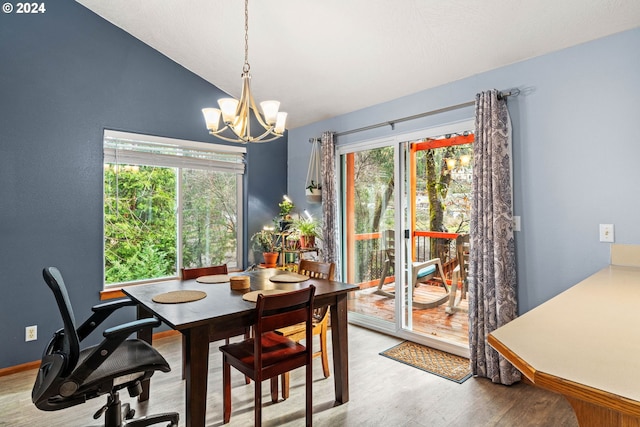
269	354
69	376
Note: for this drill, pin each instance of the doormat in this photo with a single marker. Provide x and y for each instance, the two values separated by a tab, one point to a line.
445	365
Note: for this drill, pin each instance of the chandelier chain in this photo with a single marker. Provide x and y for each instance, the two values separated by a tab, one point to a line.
246	65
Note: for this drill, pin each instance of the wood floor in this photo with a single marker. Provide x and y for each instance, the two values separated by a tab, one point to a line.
383	393
434	322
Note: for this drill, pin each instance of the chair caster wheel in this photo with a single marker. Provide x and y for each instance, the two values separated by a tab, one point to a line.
130	414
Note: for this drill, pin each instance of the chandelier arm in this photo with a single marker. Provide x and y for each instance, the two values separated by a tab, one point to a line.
239	138
257	113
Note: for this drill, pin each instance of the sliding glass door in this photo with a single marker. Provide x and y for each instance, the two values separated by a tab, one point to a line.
404	206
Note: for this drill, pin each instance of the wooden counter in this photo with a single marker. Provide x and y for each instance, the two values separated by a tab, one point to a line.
584	344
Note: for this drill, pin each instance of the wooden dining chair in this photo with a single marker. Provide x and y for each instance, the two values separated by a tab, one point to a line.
268	354
320	270
194	273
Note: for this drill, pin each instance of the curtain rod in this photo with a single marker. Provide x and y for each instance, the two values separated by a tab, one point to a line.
392	123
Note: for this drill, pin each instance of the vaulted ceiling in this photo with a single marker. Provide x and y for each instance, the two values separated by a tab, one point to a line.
323	58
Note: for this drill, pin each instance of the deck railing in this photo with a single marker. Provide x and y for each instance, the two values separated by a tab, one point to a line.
370	253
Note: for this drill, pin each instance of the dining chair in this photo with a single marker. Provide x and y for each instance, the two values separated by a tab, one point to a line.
320	270
194	273
268	354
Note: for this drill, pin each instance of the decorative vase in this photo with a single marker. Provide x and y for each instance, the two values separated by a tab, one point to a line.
270	259
307	242
314	195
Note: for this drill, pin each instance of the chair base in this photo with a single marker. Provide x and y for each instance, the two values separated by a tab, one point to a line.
114	416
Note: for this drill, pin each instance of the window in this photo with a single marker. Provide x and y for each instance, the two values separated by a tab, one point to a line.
168	204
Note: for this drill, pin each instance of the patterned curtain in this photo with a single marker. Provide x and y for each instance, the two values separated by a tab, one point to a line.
330	218
492	269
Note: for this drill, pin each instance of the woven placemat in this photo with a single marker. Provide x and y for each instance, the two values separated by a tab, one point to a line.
253	295
289	278
443	364
176	297
214	278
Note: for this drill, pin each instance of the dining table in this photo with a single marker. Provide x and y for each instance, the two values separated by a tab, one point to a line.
223	312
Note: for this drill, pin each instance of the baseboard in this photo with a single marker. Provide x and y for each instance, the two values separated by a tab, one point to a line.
36	364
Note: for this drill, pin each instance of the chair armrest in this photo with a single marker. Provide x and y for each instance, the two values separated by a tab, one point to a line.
128	328
100	313
113	305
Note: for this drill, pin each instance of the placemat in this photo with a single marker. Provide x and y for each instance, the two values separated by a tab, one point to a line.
253	295
214	278
175	297
289	278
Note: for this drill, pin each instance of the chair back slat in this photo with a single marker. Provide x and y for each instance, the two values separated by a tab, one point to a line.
194	273
281	320
281	310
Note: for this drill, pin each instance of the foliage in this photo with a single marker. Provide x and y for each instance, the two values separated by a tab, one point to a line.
140	205
314	186
265	240
286	206
209	227
307	227
140	223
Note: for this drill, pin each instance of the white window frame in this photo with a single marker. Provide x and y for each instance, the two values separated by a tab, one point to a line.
127	147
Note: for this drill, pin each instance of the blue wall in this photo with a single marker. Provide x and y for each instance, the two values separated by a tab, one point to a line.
576	151
65	76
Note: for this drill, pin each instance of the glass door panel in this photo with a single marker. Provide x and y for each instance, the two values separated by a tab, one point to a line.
438	193
369	223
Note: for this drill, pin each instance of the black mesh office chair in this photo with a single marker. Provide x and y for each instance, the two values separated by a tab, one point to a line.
69	376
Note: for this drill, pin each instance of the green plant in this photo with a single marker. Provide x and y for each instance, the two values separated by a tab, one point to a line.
286	206
307	227
265	240
314	186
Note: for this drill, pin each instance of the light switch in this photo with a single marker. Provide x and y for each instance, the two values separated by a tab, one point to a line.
516	223
606	233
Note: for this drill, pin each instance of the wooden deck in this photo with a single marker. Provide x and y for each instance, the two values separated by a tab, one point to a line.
434	322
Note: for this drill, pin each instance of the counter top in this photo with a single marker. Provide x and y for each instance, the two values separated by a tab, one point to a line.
588	335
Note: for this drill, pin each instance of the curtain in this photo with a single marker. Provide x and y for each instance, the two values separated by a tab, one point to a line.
330	218
492	269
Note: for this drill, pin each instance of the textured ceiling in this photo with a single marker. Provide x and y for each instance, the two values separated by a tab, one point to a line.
323	58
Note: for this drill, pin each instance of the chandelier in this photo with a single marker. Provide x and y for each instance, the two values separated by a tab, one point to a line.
236	115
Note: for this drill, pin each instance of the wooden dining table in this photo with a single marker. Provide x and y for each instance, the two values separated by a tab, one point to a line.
224	311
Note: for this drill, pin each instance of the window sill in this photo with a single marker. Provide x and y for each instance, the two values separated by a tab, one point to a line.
116	291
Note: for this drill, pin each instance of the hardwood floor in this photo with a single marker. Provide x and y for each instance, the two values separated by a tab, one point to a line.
434	321
382	393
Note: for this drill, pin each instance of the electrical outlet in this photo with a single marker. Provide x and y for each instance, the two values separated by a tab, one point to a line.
31	333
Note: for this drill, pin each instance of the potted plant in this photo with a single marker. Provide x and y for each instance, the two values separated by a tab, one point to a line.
314	192
265	240
286	206
309	229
